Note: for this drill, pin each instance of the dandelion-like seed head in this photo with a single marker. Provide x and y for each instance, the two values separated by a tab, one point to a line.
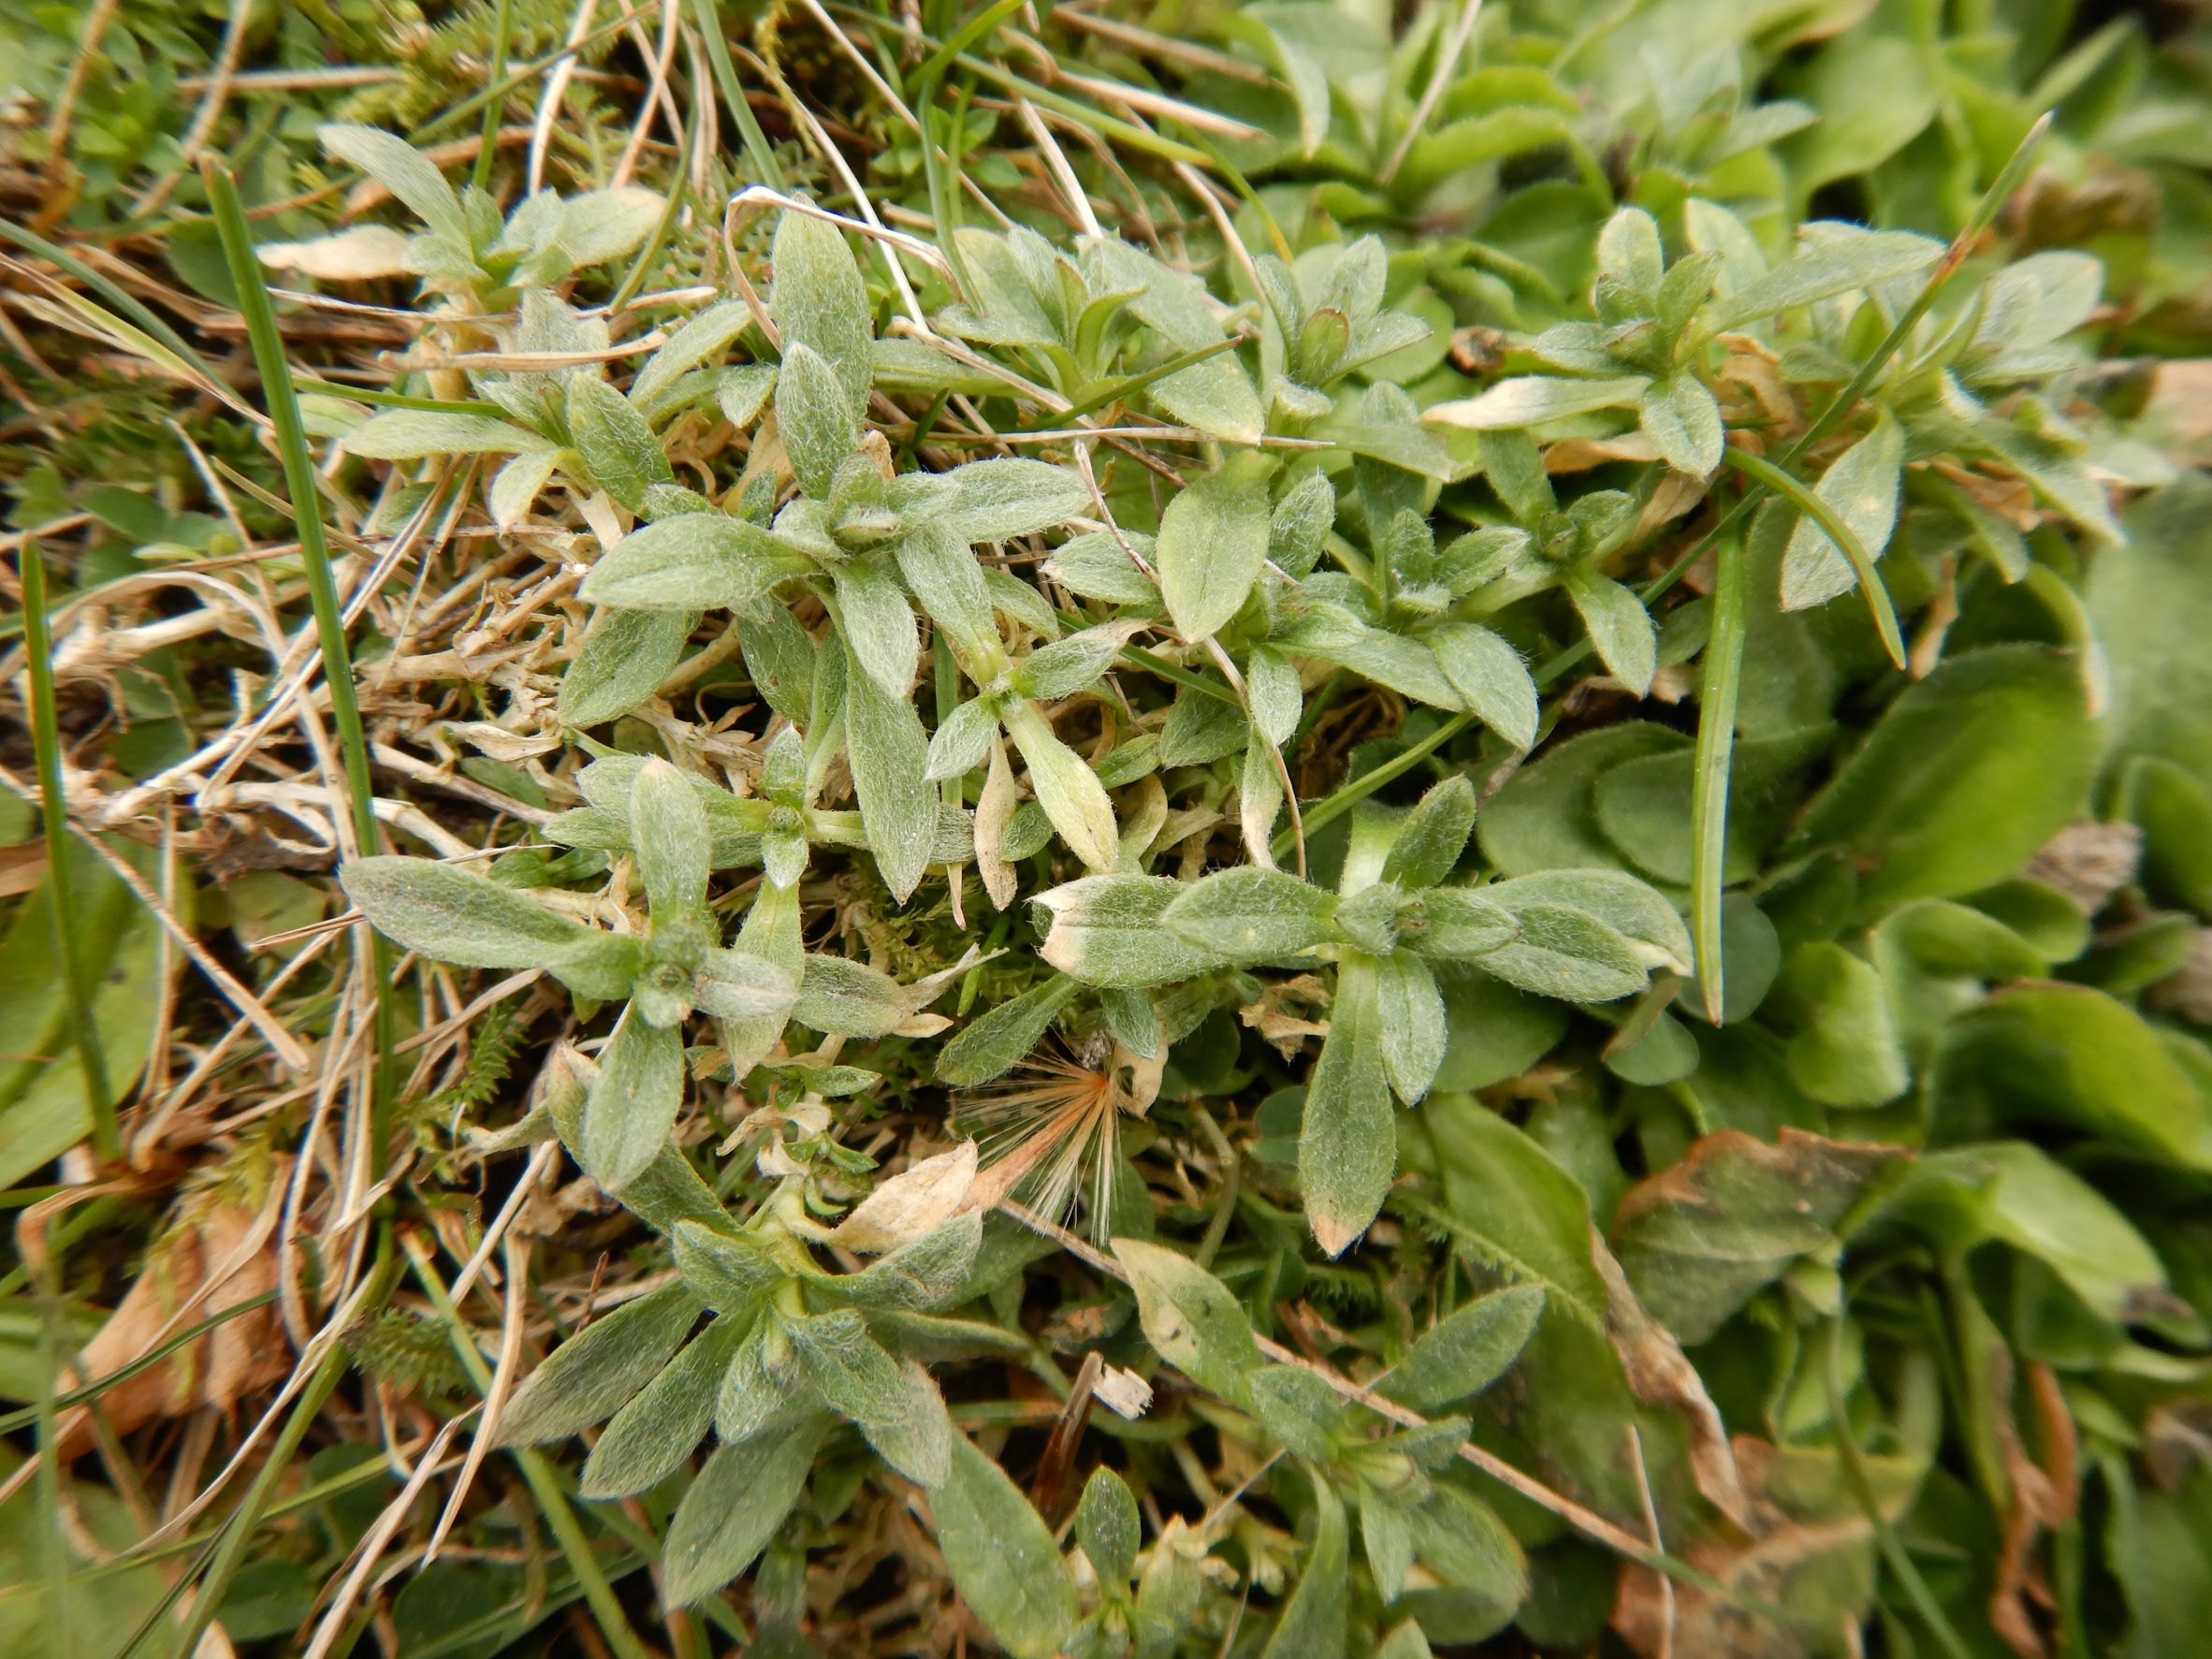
1049	1133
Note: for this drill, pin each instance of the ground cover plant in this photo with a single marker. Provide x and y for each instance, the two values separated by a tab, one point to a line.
1107	829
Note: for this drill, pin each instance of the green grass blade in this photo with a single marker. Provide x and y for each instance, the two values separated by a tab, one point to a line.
725	77
1716	741
32	242
1862	1488
152	1357
966	36
1810	505
488	144
46	742
281	396
546	1486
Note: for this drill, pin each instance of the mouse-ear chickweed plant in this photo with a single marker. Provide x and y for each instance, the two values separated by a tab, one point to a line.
1281	830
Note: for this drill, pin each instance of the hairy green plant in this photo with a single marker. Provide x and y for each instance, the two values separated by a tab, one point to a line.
1328	830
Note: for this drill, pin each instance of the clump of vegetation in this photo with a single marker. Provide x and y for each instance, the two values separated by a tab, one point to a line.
1128	831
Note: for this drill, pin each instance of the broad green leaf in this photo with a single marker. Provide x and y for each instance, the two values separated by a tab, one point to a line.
1683	423
1002	1557
601	224
729	1272
922	1275
878	624
1652	928
1620	627
1567	953
1201	729
616	442
1449	923
1861	485
2038	300
1845	1050
1106	930
1533	399
1072	665
705	334
1007	497
634	1102
854	1376
1272	688
1397	661
458	916
1492	1032
1312	1625
945	578
1461	1540
889	755
649	1438
1299	1410
1875	90
1108	1528
779	655
1466	1350
669	831
2147	603
764	1390
410	434
1432	836
1545	818
1629	256
1066	787
403	170
1191	1318
1215	395
994	1043
2073	1055
692	562
732	1509
516	487
818	301
1699	1240
1386	1538
1492	682
849	998
622	662
1298	526
1967	774
818	426
918	1441
1096	566
1347	1144
1249	916
592	1375
1213	543
1836	258
2014	1194
1409	1012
